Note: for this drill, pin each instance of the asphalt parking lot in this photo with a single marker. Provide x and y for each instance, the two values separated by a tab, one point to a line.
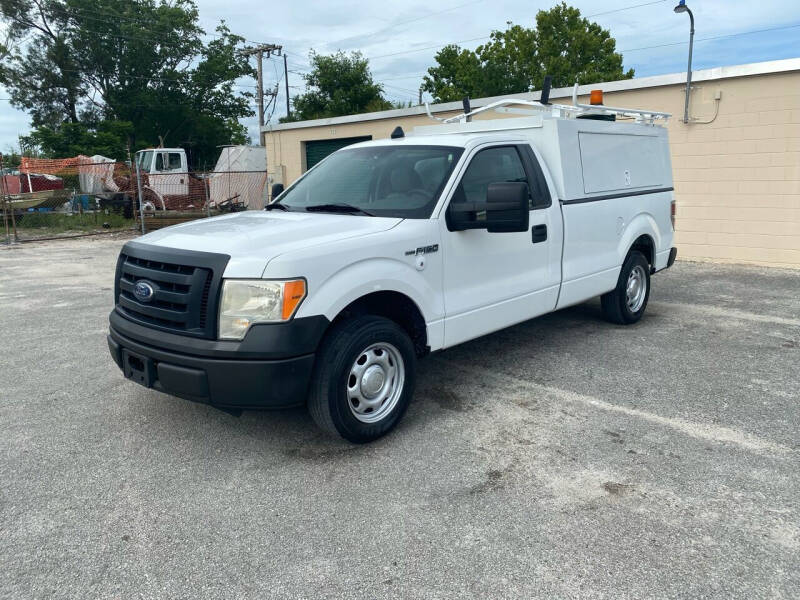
564	457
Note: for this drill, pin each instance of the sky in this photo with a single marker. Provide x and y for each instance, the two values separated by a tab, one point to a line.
401	37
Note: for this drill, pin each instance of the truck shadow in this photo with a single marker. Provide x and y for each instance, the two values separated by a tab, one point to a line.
292	435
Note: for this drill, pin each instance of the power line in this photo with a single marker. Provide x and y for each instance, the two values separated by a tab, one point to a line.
391	26
429	15
716	37
155	78
486	36
483	37
403	77
616	10
148	38
665	45
394	87
115	18
260	51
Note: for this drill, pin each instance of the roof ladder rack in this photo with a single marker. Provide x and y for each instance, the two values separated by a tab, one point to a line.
556	110
641	116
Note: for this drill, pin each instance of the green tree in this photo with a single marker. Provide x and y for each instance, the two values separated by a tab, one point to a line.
108	138
563	45
338	84
78	66
11	160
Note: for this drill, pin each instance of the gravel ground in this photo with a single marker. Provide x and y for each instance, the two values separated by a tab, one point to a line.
564	457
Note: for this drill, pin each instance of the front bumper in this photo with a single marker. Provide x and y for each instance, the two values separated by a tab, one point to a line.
250	374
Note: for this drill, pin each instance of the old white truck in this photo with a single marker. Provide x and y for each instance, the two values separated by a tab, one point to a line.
391	249
239	178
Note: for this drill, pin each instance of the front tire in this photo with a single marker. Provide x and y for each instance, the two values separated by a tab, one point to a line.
363	379
626	304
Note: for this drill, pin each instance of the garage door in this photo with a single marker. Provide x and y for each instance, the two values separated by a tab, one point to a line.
318	149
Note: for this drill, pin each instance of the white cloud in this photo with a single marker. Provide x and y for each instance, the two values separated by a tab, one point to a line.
381	28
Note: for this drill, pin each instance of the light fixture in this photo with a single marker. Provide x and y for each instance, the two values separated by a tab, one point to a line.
681	8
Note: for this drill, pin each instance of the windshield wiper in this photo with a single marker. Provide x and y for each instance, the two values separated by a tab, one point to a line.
340	208
274	205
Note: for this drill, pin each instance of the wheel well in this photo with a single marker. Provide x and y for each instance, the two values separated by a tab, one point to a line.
645	245
396	307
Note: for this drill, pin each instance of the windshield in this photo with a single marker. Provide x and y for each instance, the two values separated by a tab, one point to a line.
384	181
145	160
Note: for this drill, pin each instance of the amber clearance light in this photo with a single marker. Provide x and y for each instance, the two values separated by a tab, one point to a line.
293	294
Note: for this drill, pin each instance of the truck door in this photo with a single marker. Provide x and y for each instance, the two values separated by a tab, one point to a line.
169	175
493	280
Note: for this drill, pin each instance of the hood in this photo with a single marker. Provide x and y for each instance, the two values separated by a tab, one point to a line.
253	238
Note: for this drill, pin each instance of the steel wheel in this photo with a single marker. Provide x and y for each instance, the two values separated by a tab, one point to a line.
636	289
375	382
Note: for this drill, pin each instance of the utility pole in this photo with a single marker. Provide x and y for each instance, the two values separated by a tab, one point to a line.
286	81
260	51
260	98
3	196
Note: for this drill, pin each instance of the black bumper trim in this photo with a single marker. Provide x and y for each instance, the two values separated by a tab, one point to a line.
226	383
267	341
673	253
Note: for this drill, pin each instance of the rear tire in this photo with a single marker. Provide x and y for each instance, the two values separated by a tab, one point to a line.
626	304
363	378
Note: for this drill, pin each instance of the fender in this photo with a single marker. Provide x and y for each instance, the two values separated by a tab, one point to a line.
331	295
642	224
147	188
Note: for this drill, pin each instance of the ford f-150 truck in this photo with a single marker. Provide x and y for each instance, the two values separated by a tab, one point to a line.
390	249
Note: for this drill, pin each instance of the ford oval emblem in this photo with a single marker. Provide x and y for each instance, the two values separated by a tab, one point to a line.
144	291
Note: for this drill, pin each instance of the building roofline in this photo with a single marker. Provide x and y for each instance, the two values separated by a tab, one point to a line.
748	70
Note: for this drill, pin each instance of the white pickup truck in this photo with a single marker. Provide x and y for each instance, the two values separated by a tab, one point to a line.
391	249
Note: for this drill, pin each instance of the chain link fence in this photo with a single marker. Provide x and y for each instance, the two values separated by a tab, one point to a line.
84	193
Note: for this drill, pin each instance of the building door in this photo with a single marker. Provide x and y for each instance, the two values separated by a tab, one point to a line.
316	150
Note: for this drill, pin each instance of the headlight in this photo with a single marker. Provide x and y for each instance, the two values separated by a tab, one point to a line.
248	301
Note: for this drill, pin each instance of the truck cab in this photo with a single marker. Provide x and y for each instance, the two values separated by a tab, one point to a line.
391	249
166	173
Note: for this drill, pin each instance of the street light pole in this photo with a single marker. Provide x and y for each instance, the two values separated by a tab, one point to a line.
679	9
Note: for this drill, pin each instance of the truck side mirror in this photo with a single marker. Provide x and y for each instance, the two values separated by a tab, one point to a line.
507	207
277	190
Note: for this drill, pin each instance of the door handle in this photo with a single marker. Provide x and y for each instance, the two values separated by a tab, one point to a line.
539	233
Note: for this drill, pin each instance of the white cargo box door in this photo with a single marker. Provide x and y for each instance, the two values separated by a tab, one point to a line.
619	162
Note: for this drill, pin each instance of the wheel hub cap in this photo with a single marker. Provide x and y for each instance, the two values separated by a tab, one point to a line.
372	381
636	289
375	382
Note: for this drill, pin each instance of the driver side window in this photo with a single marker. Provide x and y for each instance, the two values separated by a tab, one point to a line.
493	165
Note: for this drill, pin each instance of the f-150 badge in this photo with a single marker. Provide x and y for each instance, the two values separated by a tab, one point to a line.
423	250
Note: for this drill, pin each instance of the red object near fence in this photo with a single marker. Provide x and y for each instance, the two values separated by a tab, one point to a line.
38	183
11	184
